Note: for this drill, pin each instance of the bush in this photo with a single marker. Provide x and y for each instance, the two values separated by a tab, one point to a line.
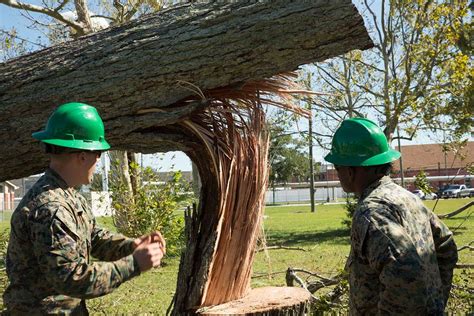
350	207
422	183
4	236
152	206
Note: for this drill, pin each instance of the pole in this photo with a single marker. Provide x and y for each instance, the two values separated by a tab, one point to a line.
327	183
401	158
311	165
439	173
104	159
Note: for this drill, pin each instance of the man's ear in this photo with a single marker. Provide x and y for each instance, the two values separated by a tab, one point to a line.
82	156
351	172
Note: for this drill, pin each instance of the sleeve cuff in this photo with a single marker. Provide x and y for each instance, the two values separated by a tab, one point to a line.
128	268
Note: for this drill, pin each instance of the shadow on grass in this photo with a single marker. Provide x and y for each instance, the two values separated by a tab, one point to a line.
340	236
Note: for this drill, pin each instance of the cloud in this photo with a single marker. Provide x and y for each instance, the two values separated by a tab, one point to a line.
98	23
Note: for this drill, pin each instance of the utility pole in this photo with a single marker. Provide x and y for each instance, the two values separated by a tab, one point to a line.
311	165
401	158
327	183
104	159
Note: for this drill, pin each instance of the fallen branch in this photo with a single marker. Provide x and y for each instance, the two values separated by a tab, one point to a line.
464	266
330	299
458	211
291	276
261	275
280	247
311	286
313	274
468	246
333	296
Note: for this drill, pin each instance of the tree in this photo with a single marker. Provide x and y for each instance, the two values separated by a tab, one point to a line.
418	76
288	155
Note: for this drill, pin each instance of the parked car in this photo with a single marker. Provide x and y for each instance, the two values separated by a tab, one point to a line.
453	191
430	196
467	192
425	196
419	193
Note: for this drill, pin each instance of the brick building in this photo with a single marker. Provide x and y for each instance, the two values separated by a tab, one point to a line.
7	195
440	167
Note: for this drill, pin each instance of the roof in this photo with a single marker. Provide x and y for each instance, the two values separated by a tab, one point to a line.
11	185
427	156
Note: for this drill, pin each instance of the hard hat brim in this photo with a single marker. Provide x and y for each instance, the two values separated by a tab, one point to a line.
70	143
354	161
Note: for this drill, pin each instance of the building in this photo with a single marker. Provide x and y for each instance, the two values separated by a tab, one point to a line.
7	195
441	167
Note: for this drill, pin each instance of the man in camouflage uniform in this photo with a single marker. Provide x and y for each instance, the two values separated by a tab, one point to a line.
402	256
54	234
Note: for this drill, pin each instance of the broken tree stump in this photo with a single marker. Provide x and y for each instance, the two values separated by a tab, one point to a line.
266	301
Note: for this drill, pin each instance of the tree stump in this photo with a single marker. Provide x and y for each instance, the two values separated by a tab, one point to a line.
265	301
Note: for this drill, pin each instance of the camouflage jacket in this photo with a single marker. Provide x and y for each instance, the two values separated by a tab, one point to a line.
402	256
53	235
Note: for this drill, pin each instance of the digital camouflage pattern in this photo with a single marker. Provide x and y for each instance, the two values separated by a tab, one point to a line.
53	235
402	256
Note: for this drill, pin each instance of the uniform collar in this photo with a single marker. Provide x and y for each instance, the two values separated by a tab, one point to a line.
53	175
374	185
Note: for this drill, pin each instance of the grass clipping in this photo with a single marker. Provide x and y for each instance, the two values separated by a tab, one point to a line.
233	130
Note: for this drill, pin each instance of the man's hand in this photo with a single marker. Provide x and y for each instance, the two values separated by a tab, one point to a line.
154	237
149	250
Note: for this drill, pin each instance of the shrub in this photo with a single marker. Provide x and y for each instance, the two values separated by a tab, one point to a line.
4	236
350	207
152	206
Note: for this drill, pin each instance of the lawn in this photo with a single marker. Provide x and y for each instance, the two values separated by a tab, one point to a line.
321	234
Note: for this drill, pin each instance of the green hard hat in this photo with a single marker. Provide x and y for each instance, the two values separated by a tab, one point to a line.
74	125
360	142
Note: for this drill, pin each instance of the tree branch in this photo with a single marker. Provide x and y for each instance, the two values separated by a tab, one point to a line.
21	38
468	246
280	247
459	210
83	16
52	13
61	6
464	266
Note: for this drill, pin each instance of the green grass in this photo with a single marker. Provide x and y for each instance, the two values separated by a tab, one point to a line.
321	234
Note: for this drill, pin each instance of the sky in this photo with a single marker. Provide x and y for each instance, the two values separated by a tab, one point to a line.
10	17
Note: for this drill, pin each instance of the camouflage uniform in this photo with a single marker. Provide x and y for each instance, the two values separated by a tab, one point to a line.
53	235
402	256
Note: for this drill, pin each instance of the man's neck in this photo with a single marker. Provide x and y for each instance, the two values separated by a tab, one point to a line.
64	173
364	180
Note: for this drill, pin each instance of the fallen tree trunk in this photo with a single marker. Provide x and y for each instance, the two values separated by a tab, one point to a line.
135	72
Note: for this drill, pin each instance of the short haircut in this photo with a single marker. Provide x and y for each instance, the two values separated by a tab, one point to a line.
57	150
384	169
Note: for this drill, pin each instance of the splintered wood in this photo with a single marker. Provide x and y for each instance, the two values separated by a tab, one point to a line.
233	131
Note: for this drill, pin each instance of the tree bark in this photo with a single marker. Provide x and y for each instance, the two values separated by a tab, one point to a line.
135	73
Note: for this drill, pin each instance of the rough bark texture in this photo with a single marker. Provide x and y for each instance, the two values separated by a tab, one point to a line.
267	301
134	73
